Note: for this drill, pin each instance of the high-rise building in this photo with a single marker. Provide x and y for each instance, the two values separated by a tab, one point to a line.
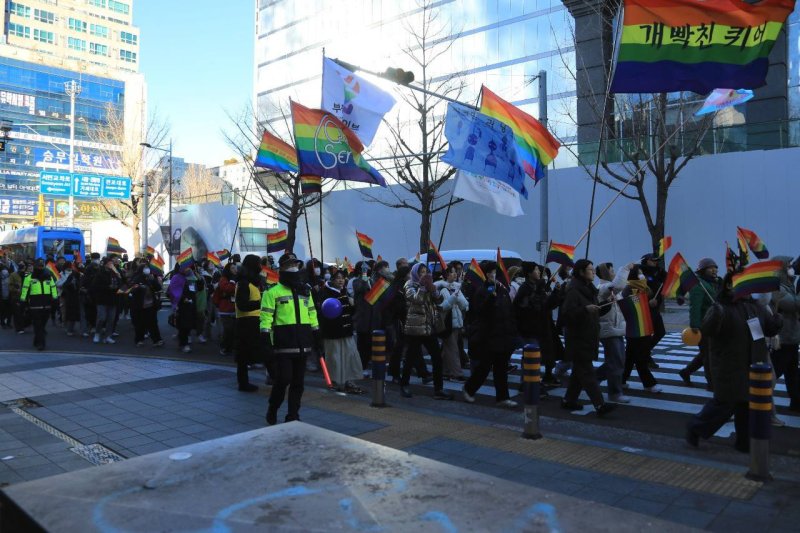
47	48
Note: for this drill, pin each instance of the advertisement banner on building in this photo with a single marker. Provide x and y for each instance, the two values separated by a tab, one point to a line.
84	162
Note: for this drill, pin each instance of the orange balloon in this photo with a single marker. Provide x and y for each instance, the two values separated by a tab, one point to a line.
690	337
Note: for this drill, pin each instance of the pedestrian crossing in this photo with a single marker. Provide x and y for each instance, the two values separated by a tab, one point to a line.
671	355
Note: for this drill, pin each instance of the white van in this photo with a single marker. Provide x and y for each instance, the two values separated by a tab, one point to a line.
510	258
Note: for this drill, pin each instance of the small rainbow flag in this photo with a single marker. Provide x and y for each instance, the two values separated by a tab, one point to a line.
224	254
474	273
382	292
680	278
501	266
536	146
53	270
434	256
663	245
347	265
563	254
276	242
213	259
638	321
157	265
753	241
150	251
276	155
759	277
270	275
310	184
365	244
113	247
186	259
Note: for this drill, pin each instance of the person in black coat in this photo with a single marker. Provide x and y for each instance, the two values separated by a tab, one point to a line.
580	315
533	310
144	299
492	336
732	348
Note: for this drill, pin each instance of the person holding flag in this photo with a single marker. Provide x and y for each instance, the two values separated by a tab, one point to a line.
341	354
701	298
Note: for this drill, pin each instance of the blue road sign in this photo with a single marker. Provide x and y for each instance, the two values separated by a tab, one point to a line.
116	187
87	185
55	183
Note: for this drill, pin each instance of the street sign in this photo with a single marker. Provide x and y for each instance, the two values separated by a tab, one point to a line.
90	186
55	183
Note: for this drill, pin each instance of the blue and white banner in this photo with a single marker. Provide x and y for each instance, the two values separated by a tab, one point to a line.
483	146
722	98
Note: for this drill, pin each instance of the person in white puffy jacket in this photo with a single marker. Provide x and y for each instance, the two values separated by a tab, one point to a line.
612	329
455	305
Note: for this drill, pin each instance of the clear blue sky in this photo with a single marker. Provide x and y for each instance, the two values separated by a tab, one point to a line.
197	58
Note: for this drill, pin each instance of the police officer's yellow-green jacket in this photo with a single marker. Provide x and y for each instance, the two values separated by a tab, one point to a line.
291	318
38	293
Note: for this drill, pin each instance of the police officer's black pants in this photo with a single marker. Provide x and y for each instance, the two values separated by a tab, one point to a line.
288	372
39	318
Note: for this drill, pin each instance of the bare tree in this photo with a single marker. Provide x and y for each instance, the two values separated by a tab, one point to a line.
417	145
199	185
279	191
136	163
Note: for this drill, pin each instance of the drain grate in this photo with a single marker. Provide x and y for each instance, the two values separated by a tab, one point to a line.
96	453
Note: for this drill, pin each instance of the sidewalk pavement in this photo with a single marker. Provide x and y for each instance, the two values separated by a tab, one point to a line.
63	412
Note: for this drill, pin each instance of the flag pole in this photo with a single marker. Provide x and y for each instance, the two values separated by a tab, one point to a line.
700	282
321	240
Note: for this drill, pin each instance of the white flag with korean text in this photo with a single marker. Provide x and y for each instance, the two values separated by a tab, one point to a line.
490	192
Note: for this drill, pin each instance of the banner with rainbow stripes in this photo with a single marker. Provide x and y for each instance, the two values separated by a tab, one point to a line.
275	154
563	254
760	277
276	242
213	259
381	293
157	266
434	256
113	247
638	320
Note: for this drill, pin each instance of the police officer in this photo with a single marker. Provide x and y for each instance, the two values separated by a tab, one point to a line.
39	292
288	322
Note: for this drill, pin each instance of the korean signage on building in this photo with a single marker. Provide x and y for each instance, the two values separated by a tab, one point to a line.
84	185
84	162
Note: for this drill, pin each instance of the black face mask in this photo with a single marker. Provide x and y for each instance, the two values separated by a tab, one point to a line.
293	280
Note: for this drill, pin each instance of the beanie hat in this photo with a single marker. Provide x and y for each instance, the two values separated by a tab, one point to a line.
705	263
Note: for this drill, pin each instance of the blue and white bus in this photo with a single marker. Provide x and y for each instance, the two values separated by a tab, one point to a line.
41	241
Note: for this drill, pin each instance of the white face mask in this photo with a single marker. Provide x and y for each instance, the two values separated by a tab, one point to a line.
292	269
146	271
327	276
641	276
790	272
317	271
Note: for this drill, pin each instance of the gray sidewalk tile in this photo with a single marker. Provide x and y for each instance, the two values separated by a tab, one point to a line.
688	517
702	502
659	493
596	494
40	471
649	507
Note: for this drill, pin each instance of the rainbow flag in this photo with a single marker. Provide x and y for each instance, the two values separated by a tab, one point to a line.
434	256
744	255
365	244
730	258
113	247
638	320
224	254
329	149
536	147
680	278
157	265
53	270
276	242
270	275
763	276
150	251
382	292
213	259
686	45
563	254
501	266
663	245
347	265
310	184
753	241
275	154
474	273
186	259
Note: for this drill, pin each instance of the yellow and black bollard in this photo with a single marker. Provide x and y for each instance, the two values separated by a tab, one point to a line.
760	421
378	368
532	382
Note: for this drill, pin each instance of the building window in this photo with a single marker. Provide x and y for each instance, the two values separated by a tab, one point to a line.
98	49
119	7
77	25
127	37
19	30
44	16
98	3
76	44
98	29
20	10
43	36
128	56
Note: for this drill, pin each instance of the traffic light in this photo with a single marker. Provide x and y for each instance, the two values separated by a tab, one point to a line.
398	75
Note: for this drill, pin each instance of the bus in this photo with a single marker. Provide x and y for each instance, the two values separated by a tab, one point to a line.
41	241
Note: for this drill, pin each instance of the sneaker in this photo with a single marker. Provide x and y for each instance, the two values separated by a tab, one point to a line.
115	334
109	340
686	377
571	406
158	343
186	349
619	398
20	332
605	409
508	403
467	396
777	422
202	339
96	338
442	395
140	343
655	389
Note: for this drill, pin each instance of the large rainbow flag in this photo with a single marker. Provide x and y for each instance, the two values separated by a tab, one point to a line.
329	149
276	242
157	265
537	148
760	277
365	244
686	45
638	320
753	241
275	154
680	278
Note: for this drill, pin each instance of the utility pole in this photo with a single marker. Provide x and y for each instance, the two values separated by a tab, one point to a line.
544	184
73	89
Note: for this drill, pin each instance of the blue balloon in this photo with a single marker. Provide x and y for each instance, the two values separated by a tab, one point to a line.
332	308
